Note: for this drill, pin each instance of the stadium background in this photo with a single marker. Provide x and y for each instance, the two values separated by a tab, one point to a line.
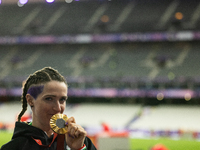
132	65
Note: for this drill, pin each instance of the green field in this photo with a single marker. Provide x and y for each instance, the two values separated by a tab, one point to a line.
5	136
137	144
146	144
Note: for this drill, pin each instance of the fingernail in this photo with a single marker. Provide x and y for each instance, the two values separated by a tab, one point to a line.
71	136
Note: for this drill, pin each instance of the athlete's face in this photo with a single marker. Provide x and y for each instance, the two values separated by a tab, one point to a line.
50	101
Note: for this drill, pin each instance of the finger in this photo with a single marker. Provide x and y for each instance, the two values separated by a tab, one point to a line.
77	132
69	123
72	129
70	120
80	132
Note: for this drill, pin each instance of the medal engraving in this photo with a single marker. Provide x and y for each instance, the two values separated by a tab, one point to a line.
57	123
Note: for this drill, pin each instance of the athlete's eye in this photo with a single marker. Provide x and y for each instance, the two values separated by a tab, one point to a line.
49	98
63	99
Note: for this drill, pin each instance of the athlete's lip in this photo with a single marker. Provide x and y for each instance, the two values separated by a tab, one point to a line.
55	114
51	115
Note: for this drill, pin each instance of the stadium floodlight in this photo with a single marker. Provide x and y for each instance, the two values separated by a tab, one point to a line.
68	1
23	1
49	1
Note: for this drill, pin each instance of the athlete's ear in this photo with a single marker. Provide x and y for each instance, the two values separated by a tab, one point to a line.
30	100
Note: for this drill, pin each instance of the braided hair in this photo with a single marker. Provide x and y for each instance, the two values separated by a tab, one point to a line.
39	77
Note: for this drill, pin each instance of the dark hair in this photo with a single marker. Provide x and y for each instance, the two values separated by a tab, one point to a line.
39	77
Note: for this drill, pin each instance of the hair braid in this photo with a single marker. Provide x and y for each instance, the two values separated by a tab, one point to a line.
39	77
24	102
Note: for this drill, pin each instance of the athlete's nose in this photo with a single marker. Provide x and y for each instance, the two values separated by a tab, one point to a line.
57	107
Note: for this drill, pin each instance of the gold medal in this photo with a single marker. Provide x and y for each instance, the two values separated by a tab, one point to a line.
57	123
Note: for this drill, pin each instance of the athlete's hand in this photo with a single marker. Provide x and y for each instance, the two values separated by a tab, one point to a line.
76	134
